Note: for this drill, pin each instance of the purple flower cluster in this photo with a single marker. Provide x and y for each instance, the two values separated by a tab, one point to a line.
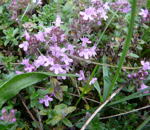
122	6
8	117
57	49
142	73
97	12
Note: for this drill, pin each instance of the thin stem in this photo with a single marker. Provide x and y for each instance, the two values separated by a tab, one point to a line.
102	64
39	118
100	108
85	98
126	46
28	111
27	8
125	113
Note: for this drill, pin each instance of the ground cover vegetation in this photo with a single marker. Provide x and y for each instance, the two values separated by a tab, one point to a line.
74	64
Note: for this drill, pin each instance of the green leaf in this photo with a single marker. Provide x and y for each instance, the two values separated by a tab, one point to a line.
133	55
13	86
55	120
57	90
70	110
105	79
97	87
67	122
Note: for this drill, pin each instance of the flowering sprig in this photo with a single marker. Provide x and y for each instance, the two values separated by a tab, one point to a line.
96	13
141	75
124	5
54	41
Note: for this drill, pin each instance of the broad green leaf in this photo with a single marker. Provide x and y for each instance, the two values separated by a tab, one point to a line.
13	86
61	111
67	122
69	110
64	109
55	120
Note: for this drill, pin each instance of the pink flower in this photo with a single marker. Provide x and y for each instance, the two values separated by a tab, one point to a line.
40	36
92	51
84	53
54	38
25	62
125	6
57	51
81	75
102	13
62	37
48	61
92	81
57	69
144	13
146	65
47	30
38	2
142	87
26	35
70	48
58	21
85	40
40	61
24	45
106	6
89	13
46	100
87	52
29	68
66	60
19	72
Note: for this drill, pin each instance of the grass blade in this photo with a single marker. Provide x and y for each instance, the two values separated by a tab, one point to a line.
132	96
126	45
